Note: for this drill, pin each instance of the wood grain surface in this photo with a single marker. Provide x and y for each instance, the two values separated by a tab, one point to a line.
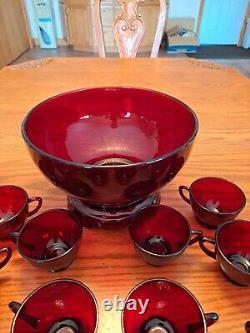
107	261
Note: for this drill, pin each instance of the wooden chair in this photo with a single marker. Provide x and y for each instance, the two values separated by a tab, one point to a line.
129	28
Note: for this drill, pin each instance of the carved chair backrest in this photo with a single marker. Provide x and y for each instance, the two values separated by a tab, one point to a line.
129	28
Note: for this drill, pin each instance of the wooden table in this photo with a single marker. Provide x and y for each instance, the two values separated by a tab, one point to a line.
107	261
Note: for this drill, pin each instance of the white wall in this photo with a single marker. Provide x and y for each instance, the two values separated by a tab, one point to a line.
31	18
30	13
184	8
181	8
246	41
58	24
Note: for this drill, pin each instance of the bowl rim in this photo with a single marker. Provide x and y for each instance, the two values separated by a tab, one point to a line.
90	166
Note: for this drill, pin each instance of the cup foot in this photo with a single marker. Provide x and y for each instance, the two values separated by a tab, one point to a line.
66	326
106	217
60	268
157	325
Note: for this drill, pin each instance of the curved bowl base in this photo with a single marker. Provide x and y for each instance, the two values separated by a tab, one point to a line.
106	217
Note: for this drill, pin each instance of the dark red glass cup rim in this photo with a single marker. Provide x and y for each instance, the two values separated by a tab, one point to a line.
51	282
168	281
67	162
32	220
24	204
244	200
152	253
217	235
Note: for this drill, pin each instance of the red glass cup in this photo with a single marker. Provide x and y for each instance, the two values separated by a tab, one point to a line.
49	240
14	208
161	233
171	308
247	327
232	250
7	255
112	150
214	200
62	305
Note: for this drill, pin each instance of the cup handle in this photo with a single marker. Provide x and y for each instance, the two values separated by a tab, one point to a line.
32	321
211	318
181	191
14	306
210	253
8	252
197	238
13	236
39	204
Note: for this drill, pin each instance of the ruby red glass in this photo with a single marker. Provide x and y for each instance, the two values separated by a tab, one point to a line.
169	305
232	250
56	305
14	208
214	200
111	149
247	327
50	240
161	233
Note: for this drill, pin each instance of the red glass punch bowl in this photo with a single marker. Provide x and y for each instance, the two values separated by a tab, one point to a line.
111	149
